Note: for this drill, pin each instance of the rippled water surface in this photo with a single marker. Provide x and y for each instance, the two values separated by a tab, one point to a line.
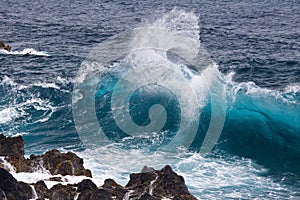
254	44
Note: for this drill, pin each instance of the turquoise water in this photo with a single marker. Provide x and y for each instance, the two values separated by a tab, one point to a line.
254	51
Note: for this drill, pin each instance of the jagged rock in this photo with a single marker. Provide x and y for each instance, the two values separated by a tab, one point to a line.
55	178
54	161
169	184
158	184
11	189
111	184
61	163
150	184
140	183
110	190
7	48
148	196
86	194
4	166
41	189
13	149
27	190
61	192
2	195
86	189
147	169
3	46
86	184
116	191
101	194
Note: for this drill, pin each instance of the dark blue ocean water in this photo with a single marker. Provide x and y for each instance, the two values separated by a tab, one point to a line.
256	45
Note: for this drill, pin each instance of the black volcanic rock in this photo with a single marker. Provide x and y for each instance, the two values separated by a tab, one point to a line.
3	46
12	147
60	163
149	184
61	192
140	183
55	178
11	189
2	195
41	189
54	161
101	194
169	184
26	189
13	150
86	184
110	190
86	188
158	184
86	194
116	191
147	196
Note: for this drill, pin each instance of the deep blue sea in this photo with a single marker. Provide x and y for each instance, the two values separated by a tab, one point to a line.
210	87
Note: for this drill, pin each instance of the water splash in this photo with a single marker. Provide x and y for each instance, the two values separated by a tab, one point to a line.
159	54
27	51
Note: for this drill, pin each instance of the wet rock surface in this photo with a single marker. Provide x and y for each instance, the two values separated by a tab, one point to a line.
10	188
149	184
13	149
60	163
54	161
158	184
41	189
63	192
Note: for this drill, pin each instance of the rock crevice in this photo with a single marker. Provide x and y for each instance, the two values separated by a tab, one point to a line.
149	184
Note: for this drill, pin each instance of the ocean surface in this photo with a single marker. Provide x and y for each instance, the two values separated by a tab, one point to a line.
231	117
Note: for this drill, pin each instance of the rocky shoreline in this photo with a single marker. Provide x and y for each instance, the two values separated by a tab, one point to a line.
149	184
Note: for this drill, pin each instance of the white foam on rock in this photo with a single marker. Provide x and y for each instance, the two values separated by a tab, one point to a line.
6	165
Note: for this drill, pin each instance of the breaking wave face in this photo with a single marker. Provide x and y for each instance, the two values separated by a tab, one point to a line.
263	124
164	65
150	84
159	80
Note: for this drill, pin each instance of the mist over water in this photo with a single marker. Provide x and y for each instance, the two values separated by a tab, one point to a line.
254	62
